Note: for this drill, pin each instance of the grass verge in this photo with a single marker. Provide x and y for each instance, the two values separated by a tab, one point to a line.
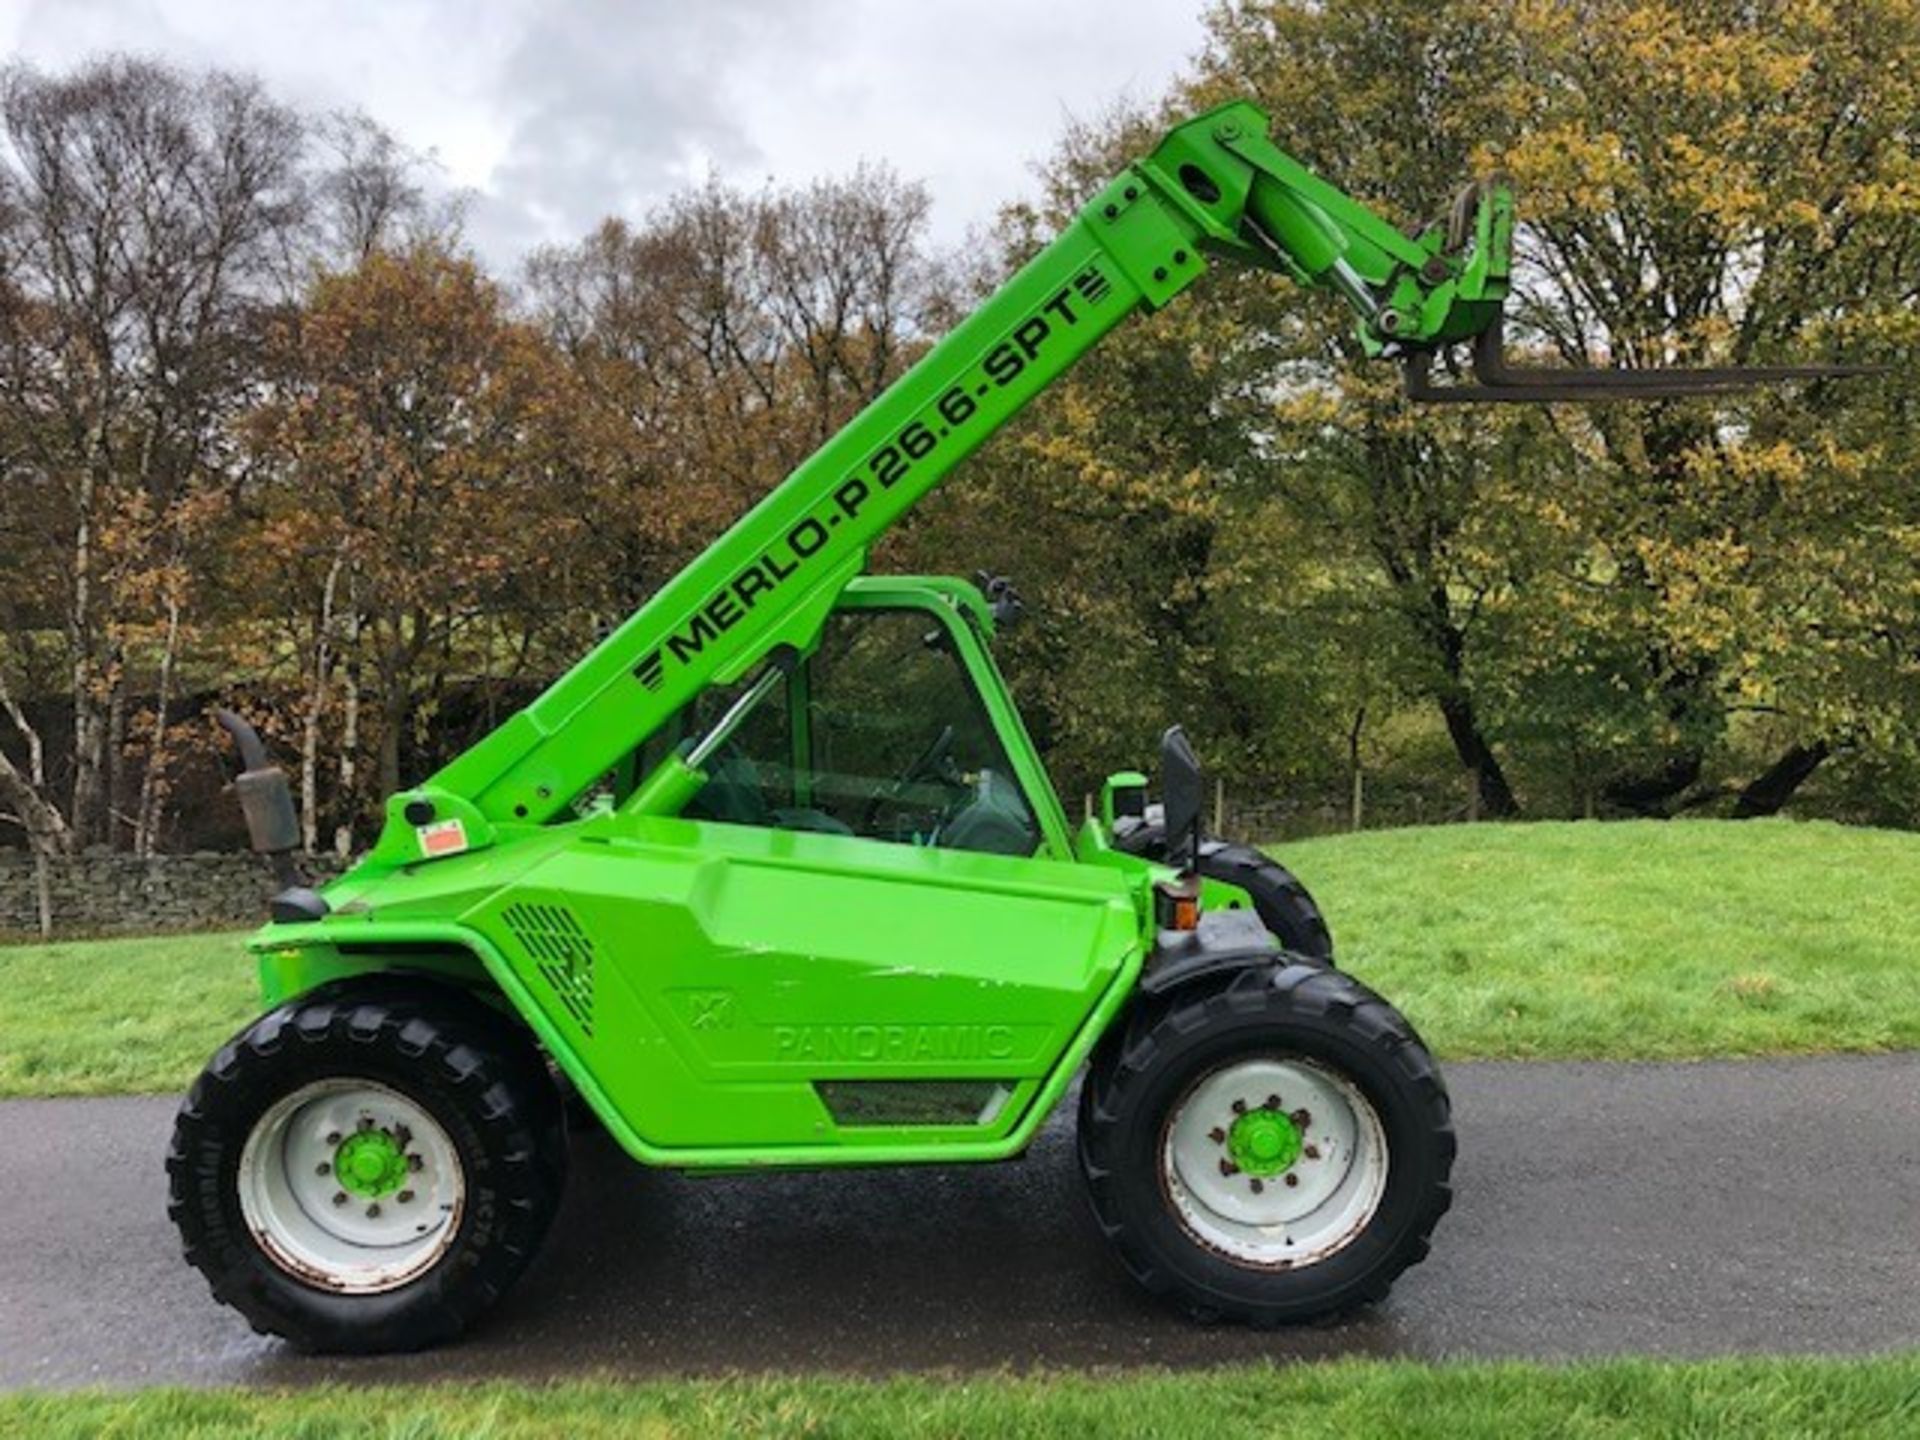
1632	940
1760	1397
104	1017
1627	940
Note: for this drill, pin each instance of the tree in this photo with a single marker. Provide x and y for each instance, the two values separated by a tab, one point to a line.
421	497
1722	182
720	343
371	193
1726	183
142	216
1610	608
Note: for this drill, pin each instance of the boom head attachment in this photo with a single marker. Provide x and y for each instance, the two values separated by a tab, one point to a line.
1467	282
1415	295
1470	266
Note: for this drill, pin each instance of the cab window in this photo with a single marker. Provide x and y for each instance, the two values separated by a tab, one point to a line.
901	745
881	734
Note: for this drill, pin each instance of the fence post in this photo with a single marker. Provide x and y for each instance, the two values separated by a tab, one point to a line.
43	892
1357	800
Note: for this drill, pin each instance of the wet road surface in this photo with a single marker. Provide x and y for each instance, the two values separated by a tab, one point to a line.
1599	1209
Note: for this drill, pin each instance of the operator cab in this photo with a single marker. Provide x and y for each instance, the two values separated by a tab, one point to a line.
882	732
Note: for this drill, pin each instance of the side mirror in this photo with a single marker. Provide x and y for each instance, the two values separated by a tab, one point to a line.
1183	792
1002	599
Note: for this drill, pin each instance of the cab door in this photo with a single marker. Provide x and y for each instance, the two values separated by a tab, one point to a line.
861	930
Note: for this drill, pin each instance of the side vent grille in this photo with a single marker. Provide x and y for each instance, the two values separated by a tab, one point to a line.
561	952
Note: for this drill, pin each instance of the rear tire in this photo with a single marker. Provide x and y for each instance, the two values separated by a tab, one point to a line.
369	1167
1279	899
1271	1148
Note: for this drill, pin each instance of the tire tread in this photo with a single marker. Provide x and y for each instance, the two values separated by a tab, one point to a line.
1295	987
505	1094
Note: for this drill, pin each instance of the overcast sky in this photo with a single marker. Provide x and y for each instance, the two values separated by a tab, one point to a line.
555	113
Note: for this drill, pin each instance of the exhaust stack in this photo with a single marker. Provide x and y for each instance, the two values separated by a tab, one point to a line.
273	824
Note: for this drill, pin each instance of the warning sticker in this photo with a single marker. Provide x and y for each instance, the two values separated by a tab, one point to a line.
447	837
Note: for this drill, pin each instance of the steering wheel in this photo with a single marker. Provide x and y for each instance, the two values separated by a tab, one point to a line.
928	763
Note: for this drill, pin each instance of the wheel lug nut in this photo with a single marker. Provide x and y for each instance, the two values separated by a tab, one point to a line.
366	1122
1273	1102
416	1162
323	1168
1301	1118
1258	1187
402	1136
1239	1107
1292	1180
333	1137
1227	1167
1312	1152
373	1212
1217	1135
339	1197
404	1197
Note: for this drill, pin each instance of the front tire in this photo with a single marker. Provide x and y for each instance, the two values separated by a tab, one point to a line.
367	1168
1273	1148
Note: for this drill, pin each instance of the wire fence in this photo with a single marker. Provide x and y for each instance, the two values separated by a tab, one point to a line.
1256	822
1263	819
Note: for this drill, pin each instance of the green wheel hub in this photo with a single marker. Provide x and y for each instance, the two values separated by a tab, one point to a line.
370	1163
1264	1142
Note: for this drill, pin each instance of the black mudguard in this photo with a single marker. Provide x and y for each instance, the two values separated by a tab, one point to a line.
1226	940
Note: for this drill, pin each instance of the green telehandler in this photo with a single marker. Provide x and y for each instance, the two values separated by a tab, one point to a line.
774	877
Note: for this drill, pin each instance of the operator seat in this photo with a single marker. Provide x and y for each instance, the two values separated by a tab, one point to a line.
995	821
735	795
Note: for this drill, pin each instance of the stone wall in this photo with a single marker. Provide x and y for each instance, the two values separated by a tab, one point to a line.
101	893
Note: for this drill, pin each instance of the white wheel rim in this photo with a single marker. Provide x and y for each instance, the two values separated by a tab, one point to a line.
1280	1215
291	1188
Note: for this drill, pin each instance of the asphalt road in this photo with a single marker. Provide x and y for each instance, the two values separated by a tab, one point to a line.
1601	1209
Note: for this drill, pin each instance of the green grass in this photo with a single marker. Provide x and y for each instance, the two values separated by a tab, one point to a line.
1623	940
1632	940
103	1017
1772	1398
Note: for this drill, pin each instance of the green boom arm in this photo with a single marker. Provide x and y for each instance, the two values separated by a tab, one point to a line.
1216	187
